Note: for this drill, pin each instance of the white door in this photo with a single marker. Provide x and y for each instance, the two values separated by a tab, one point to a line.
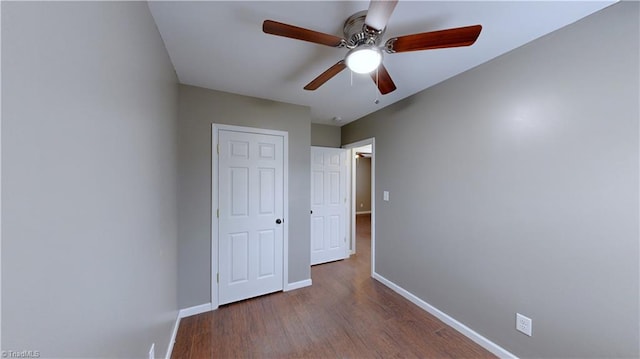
328	204
250	225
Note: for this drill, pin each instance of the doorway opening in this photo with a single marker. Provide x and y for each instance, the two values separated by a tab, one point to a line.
362	198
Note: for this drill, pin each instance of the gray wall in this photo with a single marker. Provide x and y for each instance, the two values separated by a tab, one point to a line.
199	108
363	184
325	135
89	151
525	197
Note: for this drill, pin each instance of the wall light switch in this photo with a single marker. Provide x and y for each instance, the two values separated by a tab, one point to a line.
385	195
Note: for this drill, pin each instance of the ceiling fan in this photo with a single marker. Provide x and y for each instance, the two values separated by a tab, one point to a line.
363	33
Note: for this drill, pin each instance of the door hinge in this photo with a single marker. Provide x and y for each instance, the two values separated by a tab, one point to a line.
218	148
217	277
218	213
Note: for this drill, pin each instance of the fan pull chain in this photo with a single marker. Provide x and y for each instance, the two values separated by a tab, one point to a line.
376	101
351	72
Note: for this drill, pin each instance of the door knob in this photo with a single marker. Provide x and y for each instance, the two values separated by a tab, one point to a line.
278	221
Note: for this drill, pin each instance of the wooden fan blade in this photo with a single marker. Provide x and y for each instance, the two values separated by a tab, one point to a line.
326	76
379	13
384	81
461	36
299	33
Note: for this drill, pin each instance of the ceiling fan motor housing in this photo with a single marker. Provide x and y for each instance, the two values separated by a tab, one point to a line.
357	33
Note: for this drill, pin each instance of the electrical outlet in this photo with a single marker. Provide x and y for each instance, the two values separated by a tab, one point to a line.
523	324
152	354
361	205
385	195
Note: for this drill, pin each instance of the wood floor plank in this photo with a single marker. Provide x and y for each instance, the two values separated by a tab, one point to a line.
345	314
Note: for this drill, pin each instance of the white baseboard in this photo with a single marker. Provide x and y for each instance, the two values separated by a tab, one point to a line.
297	285
173	337
187	312
363	212
183	313
463	329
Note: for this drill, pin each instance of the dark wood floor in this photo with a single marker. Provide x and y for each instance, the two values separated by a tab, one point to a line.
344	314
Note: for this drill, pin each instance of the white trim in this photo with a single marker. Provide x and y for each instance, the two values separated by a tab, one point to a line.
352	217
285	208
297	285
364	212
450	321
373	206
183	313
172	341
202	308
215	205
214	220
352	200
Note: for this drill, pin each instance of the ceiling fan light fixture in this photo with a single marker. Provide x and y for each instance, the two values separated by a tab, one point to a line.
363	33
364	59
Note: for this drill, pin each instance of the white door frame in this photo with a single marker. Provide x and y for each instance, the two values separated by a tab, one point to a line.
215	128
352	210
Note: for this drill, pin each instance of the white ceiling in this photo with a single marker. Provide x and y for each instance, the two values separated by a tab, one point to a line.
221	46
